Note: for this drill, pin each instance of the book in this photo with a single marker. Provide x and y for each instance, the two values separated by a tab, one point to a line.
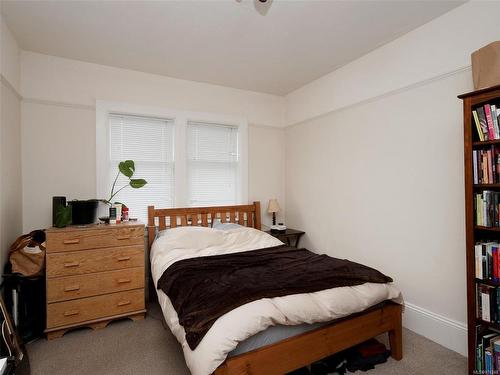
478	251
489	166
482	122
478	126
474	163
495	120
495	345
488	361
498	117
479	358
485	303
494	257
489	121
483	341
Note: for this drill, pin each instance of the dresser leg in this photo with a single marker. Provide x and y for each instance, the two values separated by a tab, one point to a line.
137	317
99	325
55	335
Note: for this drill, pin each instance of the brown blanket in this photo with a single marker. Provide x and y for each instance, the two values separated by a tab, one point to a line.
205	288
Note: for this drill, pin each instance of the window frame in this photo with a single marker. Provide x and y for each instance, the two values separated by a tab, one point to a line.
180	120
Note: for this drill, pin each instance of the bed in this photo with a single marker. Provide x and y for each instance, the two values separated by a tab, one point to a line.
265	344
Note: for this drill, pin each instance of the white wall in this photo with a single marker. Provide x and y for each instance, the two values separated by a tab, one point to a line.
58	113
10	143
374	164
439	47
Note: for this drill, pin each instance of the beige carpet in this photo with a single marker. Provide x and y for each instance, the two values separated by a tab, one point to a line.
144	347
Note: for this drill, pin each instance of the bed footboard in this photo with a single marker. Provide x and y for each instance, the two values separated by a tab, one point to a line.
302	350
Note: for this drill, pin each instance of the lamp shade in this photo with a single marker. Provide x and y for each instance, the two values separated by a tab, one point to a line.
273	206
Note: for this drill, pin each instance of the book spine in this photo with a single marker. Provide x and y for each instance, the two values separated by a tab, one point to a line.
479	302
493	305
489	259
497	290
489	159
488	361
483	123
493	165
496	202
496	361
485	305
495	120
479	261
485	168
478	126
474	159
497	164
494	256
489	121
487	208
479	358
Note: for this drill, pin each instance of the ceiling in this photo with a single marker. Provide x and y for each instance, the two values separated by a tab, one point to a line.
274	48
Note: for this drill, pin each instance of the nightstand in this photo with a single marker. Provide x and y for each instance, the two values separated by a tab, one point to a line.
290	237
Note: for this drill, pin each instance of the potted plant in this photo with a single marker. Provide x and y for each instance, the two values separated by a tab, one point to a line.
81	212
127	168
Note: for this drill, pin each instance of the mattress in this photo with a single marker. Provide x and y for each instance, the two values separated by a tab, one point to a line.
272	335
260	322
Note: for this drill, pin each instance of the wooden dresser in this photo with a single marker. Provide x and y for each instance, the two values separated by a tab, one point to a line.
95	273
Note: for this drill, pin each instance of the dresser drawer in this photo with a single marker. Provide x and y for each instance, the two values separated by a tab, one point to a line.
89	261
85	309
71	287
71	240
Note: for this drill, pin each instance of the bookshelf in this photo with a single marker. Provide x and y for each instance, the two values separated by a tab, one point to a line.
476	233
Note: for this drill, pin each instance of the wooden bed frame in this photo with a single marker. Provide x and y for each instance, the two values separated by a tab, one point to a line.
296	351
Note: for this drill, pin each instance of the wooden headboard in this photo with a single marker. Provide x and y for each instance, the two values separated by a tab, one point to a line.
247	215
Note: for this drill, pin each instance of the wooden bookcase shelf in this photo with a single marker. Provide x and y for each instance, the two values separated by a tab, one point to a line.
490	229
487	324
475	233
487	282
487	186
478	144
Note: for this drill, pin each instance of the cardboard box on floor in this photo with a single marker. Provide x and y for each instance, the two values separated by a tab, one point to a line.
486	66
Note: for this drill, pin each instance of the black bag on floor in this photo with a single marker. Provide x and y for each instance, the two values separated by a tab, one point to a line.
365	356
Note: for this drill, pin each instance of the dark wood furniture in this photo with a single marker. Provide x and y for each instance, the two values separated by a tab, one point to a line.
290	237
475	233
95	274
297	351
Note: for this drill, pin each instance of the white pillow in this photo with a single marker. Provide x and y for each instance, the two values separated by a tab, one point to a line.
191	237
226	226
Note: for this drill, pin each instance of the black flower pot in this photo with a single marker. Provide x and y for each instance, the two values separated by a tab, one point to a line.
84	212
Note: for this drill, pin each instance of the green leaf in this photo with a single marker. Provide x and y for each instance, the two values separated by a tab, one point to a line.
127	167
63	216
137	183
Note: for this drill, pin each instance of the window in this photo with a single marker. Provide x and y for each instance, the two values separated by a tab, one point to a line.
188	159
212	153
150	143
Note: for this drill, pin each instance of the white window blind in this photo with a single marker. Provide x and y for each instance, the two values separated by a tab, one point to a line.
149	142
212	164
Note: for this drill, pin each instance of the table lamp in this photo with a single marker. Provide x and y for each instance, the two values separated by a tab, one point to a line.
272	208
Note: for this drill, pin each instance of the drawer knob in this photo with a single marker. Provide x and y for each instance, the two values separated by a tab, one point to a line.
123	303
71	242
71	264
119	238
123	281
72	288
121	259
71	313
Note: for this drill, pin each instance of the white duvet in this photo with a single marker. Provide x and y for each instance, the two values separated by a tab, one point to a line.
247	320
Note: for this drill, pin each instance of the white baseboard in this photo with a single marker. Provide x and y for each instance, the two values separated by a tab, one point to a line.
446	332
